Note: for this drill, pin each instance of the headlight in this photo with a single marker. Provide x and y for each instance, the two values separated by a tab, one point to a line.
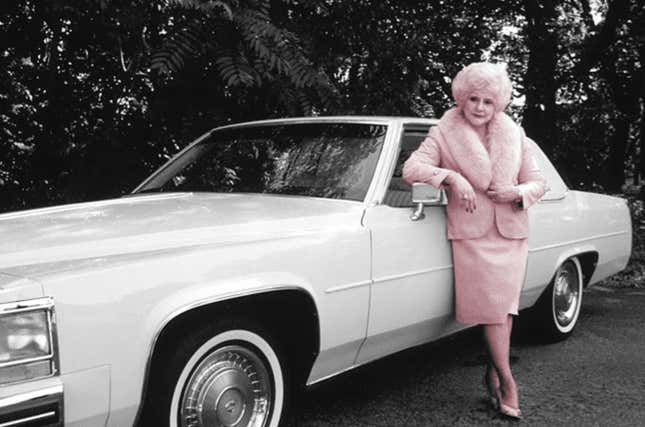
27	340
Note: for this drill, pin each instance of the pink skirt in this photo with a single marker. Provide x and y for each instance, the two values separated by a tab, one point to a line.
489	273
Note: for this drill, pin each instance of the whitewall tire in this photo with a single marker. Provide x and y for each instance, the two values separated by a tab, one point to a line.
555	315
223	374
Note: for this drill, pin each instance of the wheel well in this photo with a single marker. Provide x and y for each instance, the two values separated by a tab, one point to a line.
290	316
588	262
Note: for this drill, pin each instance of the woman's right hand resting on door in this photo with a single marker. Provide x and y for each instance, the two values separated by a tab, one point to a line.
460	187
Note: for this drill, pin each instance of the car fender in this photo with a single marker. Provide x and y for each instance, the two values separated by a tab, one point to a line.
201	294
572	252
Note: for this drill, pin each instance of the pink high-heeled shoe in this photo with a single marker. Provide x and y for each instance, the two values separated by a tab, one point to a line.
506	410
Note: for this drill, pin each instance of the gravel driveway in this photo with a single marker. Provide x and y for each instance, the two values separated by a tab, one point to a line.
596	377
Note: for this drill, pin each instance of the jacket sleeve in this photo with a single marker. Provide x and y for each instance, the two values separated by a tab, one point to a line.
423	164
530	179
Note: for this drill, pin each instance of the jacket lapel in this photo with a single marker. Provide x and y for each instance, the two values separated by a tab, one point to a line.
482	168
466	148
505	141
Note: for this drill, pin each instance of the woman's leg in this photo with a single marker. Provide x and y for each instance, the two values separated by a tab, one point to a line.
492	379
498	341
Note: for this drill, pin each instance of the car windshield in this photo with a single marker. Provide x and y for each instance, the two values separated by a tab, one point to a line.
331	160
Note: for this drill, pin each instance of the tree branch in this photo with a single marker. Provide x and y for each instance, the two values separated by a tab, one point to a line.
125	67
586	13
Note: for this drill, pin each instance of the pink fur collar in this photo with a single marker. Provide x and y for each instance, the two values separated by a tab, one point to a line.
499	164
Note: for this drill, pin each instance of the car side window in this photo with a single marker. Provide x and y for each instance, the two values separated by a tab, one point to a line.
399	193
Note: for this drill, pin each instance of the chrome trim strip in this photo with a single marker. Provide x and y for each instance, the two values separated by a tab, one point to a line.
26	305
386	279
382	171
53	340
196	304
153	175
411	273
392	156
573	242
26	361
217	298
29	419
347	286
30	396
554	199
35	400
367	120
332	375
419	121
374	359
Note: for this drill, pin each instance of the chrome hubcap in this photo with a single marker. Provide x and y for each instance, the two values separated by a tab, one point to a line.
230	387
566	294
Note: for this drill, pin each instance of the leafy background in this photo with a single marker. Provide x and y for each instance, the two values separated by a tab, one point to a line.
95	94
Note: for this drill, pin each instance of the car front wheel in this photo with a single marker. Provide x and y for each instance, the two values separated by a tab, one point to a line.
225	374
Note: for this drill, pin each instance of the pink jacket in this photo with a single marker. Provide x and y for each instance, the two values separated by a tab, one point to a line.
453	145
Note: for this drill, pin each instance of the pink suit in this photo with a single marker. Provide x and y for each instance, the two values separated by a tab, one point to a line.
489	246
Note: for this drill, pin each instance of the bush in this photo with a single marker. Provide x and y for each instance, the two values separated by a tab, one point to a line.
634	275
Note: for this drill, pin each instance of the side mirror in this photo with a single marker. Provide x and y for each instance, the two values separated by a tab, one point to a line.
424	194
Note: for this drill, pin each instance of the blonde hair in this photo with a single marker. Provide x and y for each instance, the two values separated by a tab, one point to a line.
483	76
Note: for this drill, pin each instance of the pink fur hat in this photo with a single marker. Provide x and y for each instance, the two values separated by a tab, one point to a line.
484	76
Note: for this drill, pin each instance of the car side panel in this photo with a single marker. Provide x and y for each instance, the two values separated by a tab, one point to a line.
580	222
87	397
109	315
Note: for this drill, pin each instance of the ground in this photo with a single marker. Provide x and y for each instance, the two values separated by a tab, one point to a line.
596	377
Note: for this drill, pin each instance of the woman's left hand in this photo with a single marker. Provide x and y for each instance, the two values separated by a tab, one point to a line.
503	194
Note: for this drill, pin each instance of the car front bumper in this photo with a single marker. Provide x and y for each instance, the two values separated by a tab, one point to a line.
40	407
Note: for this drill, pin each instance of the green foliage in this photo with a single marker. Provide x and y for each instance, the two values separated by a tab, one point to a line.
239	41
391	57
94	98
634	274
95	95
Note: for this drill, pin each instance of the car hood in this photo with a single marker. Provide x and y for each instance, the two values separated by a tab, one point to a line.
160	222
15	288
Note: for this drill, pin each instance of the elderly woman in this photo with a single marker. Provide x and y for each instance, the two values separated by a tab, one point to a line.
484	161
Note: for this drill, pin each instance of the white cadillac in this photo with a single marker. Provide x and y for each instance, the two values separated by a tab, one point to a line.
264	256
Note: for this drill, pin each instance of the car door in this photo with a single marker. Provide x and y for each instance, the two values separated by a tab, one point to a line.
412	298
552	221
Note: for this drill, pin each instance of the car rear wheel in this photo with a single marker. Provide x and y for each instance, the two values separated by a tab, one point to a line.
556	313
224	374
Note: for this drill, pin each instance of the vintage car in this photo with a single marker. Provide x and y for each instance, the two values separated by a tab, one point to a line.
264	256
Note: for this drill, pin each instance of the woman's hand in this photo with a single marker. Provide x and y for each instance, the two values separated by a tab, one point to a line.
460	187
504	194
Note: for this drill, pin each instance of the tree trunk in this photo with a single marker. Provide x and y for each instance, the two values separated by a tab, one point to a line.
603	35
641	84
625	97
641	163
540	82
46	160
617	154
